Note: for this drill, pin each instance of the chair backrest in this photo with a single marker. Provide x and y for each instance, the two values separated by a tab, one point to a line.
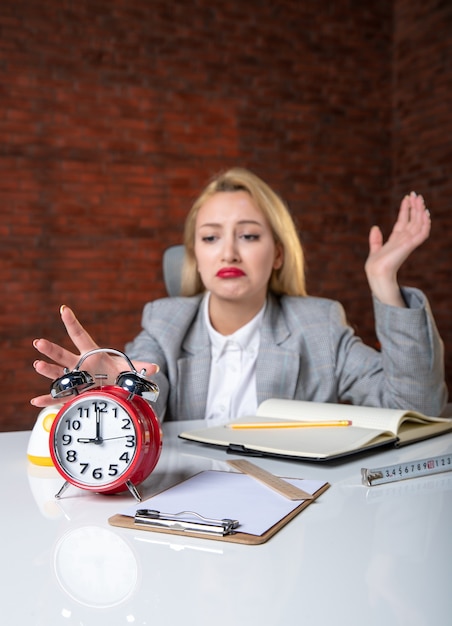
173	258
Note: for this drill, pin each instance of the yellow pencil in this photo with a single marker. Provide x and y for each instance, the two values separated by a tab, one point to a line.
294	424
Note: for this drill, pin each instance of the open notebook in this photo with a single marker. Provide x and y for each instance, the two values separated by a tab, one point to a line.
371	427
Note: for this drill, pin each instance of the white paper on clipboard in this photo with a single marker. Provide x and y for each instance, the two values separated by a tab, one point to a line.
217	495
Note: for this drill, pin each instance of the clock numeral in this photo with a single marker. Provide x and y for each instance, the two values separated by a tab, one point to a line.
84	467
71	456
124	457
74	424
100	407
66	439
126	425
83	412
113	469
130	441
97	473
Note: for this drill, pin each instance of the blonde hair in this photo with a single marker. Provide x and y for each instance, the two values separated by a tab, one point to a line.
289	279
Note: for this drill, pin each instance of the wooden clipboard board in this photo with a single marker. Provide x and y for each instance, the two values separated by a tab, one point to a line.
128	521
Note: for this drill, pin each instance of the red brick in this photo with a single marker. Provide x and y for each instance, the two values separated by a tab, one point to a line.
111	124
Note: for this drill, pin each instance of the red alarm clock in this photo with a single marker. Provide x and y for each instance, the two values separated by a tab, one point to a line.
105	439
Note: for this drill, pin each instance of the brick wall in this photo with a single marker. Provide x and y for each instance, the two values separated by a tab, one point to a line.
422	144
113	115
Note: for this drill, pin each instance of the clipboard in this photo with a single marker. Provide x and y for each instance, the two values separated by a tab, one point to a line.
239	499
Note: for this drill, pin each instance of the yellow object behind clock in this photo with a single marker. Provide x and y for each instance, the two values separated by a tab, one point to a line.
38	451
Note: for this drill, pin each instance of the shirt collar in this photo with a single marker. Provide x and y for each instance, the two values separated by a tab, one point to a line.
247	337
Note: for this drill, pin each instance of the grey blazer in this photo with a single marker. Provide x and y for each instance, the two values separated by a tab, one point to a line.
307	352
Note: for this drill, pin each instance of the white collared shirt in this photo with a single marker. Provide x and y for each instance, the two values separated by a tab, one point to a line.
232	383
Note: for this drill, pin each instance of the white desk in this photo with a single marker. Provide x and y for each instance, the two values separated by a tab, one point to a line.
357	556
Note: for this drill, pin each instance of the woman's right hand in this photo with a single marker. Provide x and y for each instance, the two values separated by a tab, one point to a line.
59	358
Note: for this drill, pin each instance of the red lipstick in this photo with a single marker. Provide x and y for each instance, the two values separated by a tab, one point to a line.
230	272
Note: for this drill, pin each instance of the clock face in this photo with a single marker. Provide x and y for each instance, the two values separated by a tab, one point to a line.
95	441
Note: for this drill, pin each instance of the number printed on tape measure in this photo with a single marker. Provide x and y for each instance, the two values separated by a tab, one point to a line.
412	469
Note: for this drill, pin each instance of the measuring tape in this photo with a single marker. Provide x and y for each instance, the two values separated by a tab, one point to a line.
402	471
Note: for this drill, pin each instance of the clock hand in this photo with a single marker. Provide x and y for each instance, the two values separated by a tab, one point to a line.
90	440
98	438
120	437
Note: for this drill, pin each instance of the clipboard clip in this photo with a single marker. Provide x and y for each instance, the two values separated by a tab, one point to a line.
182	521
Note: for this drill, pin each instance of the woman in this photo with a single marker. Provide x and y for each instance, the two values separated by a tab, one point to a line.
245	330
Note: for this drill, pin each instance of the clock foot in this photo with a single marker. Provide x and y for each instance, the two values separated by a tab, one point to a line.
133	490
62	490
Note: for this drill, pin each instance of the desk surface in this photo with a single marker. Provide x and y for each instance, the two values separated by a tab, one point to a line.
358	555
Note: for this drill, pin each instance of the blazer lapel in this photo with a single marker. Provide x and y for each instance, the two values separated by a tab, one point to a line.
194	367
278	367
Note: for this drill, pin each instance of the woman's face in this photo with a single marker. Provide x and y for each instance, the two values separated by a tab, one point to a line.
234	248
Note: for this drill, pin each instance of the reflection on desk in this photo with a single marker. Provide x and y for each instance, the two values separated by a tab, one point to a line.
358	555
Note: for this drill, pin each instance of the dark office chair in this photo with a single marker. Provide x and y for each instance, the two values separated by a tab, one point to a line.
173	258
